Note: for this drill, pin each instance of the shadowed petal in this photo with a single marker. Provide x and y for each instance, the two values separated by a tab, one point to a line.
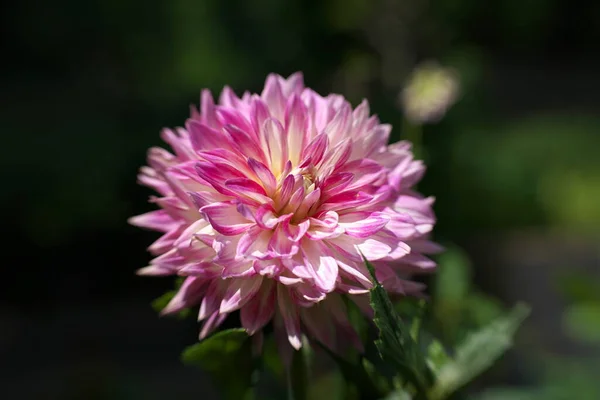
259	310
212	299
212	323
289	313
320	325
189	294
239	292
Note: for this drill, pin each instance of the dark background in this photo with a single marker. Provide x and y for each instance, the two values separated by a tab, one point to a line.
87	85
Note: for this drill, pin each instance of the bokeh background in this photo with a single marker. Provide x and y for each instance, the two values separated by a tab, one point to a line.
87	85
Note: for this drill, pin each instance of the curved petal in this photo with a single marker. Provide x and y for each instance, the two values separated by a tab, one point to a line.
189	294
280	245
253	243
239	292
225	218
264	175
323	266
363	224
212	299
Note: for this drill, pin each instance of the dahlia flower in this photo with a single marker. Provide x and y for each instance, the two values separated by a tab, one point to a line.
429	93
269	202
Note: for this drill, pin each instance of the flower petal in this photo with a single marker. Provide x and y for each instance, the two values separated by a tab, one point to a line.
336	129
308	204
295	232
296	128
280	245
158	220
267	219
189	294
225	218
363	224
253	243
238	269
259	309
320	325
294	84
212	323
346	201
244	143
335	183
232	116
248	190
212	299
272	95
320	261
315	149
264	175
374	249
239	292
275	145
203	137
289	313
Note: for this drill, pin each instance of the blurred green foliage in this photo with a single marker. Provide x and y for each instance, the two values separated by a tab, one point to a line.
537	170
217	354
557	377
458	306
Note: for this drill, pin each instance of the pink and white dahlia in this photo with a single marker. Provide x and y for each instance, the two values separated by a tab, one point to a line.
268	203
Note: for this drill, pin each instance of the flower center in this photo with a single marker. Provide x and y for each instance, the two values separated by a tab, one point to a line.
300	200
308	182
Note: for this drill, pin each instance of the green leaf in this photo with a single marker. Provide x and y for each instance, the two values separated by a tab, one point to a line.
437	356
226	356
478	352
399	394
161	302
378	374
582	322
395	344
357	319
451	289
453	276
482	309
412	311
507	394
355	375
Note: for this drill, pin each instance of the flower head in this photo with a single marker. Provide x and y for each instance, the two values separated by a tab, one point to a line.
269	203
430	92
